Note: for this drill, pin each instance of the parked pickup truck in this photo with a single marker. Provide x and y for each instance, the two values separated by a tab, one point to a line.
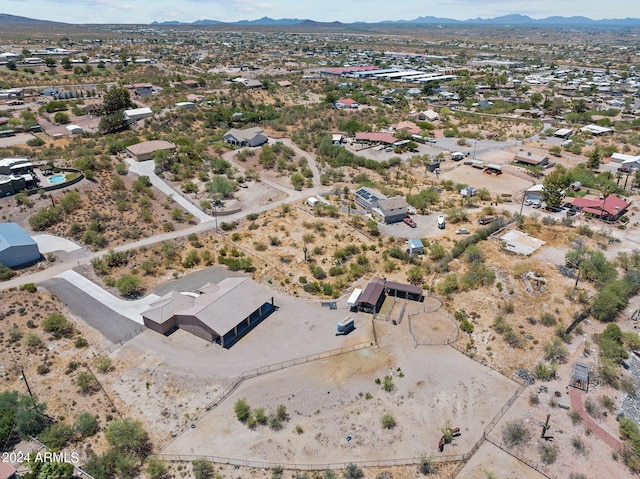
485	220
409	222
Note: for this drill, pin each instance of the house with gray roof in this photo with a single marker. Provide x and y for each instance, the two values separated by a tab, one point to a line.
247	137
17	248
221	313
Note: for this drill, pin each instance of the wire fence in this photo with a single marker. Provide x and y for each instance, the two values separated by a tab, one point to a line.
265	370
108	350
312	467
432	342
520	457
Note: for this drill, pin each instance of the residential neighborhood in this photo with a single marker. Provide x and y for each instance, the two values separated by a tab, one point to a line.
319	250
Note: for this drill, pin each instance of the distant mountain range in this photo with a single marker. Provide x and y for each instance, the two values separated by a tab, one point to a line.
511	20
514	20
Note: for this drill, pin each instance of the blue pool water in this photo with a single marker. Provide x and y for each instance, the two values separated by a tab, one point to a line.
56	179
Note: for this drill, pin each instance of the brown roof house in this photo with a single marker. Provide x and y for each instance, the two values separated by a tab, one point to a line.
221	313
145	150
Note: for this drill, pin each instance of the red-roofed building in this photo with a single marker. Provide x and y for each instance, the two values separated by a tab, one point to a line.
409	127
7	471
376	137
610	208
346	103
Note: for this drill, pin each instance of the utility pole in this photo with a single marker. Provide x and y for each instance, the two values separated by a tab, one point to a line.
24	378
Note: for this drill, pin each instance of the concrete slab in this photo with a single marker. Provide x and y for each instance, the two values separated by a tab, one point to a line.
48	243
520	243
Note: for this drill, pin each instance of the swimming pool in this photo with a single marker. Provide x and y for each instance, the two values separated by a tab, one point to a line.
56	179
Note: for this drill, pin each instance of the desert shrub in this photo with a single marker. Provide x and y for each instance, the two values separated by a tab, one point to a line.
57	436
534	398
103	364
202	469
548	453
578	445
387	384
548	319
388	421
242	410
515	433
86	382
57	325
353	472
555	350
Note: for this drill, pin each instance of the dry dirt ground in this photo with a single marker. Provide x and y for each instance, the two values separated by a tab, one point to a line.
56	388
432	385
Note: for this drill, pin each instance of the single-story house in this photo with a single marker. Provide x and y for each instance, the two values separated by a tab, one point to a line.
253	84
222	313
247	137
610	208
17	248
409	127
186	83
140	89
347	103
367	197
74	129
596	130
192	97
185	105
145	150
390	210
532	159
284	83
415	246
376	137
135	114
427	115
563	133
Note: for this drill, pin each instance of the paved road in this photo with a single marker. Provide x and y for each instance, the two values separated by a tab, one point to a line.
84	257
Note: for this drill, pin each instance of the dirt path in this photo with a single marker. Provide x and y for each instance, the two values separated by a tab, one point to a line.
577	404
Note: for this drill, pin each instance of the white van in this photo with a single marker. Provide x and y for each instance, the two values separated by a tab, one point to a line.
441	223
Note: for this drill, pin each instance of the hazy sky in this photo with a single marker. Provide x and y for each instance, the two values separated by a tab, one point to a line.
146	11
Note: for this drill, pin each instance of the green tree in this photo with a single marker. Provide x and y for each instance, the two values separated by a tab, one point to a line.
111	122
594	157
50	62
155	468
66	63
20	416
553	186
61	118
127	435
128	284
116	99
220	187
86	424
56	470
202	469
